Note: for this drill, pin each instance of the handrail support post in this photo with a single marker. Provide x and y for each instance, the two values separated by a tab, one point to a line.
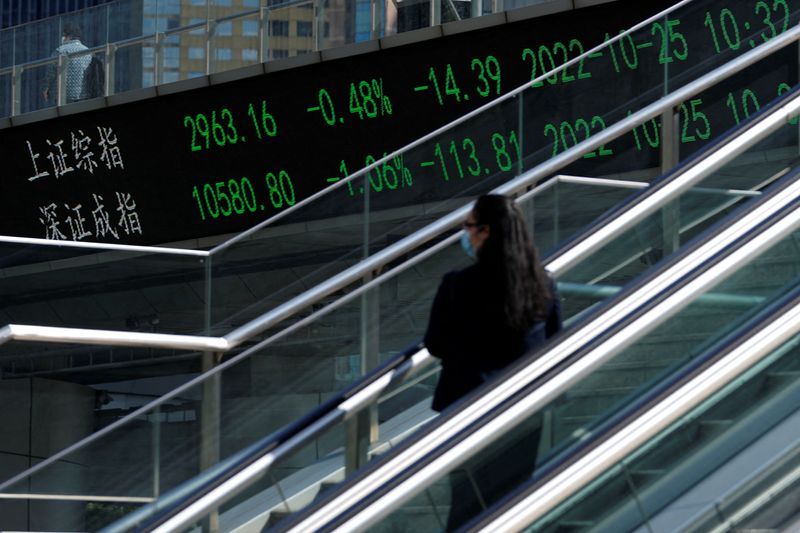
210	428
670	157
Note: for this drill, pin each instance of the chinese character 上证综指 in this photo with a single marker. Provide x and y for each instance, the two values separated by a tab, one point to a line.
111	155
76	223
59	160
83	155
51	223
129	218
101	219
36	172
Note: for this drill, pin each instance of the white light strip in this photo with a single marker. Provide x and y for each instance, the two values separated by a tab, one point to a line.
604	182
74	497
547	361
17	332
106	247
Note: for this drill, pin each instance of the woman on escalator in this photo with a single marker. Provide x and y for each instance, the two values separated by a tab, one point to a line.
483	318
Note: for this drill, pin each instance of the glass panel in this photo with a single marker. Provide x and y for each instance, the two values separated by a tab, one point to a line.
676	224
183	55
90	26
7	47
56	394
693	472
235	43
73	287
126	19
133	66
290	31
577	413
211	421
766	501
38	40
38	87
5	94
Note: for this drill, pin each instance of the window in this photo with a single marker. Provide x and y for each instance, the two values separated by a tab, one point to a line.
279	54
147	56
171	7
225	28
196	52
250	27
251	3
169	76
172	57
304	29
224	54
199	31
249	54
279	28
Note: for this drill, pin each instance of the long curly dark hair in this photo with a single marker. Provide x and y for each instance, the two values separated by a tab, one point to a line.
510	258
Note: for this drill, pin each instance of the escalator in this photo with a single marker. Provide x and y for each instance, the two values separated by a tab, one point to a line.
472	444
290	487
720	452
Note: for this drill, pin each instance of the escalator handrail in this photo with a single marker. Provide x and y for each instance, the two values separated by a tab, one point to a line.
200	503
698	381
487	406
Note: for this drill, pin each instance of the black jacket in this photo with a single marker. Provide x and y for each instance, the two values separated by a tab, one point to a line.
467	331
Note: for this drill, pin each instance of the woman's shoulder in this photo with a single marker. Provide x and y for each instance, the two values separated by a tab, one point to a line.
463	276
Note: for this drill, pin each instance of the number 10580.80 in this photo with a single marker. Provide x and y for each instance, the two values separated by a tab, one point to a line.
225	198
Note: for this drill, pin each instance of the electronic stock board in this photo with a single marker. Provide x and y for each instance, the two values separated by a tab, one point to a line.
222	158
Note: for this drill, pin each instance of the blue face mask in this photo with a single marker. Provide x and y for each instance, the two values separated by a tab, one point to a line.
467	245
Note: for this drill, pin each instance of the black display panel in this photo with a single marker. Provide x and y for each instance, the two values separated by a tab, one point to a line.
220	159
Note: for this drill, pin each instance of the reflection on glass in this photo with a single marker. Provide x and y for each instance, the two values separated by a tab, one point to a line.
690	472
579	412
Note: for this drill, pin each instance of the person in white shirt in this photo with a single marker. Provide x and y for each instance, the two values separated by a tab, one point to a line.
74	67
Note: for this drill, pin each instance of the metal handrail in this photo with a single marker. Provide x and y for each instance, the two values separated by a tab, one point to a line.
748	352
529	178
613	329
